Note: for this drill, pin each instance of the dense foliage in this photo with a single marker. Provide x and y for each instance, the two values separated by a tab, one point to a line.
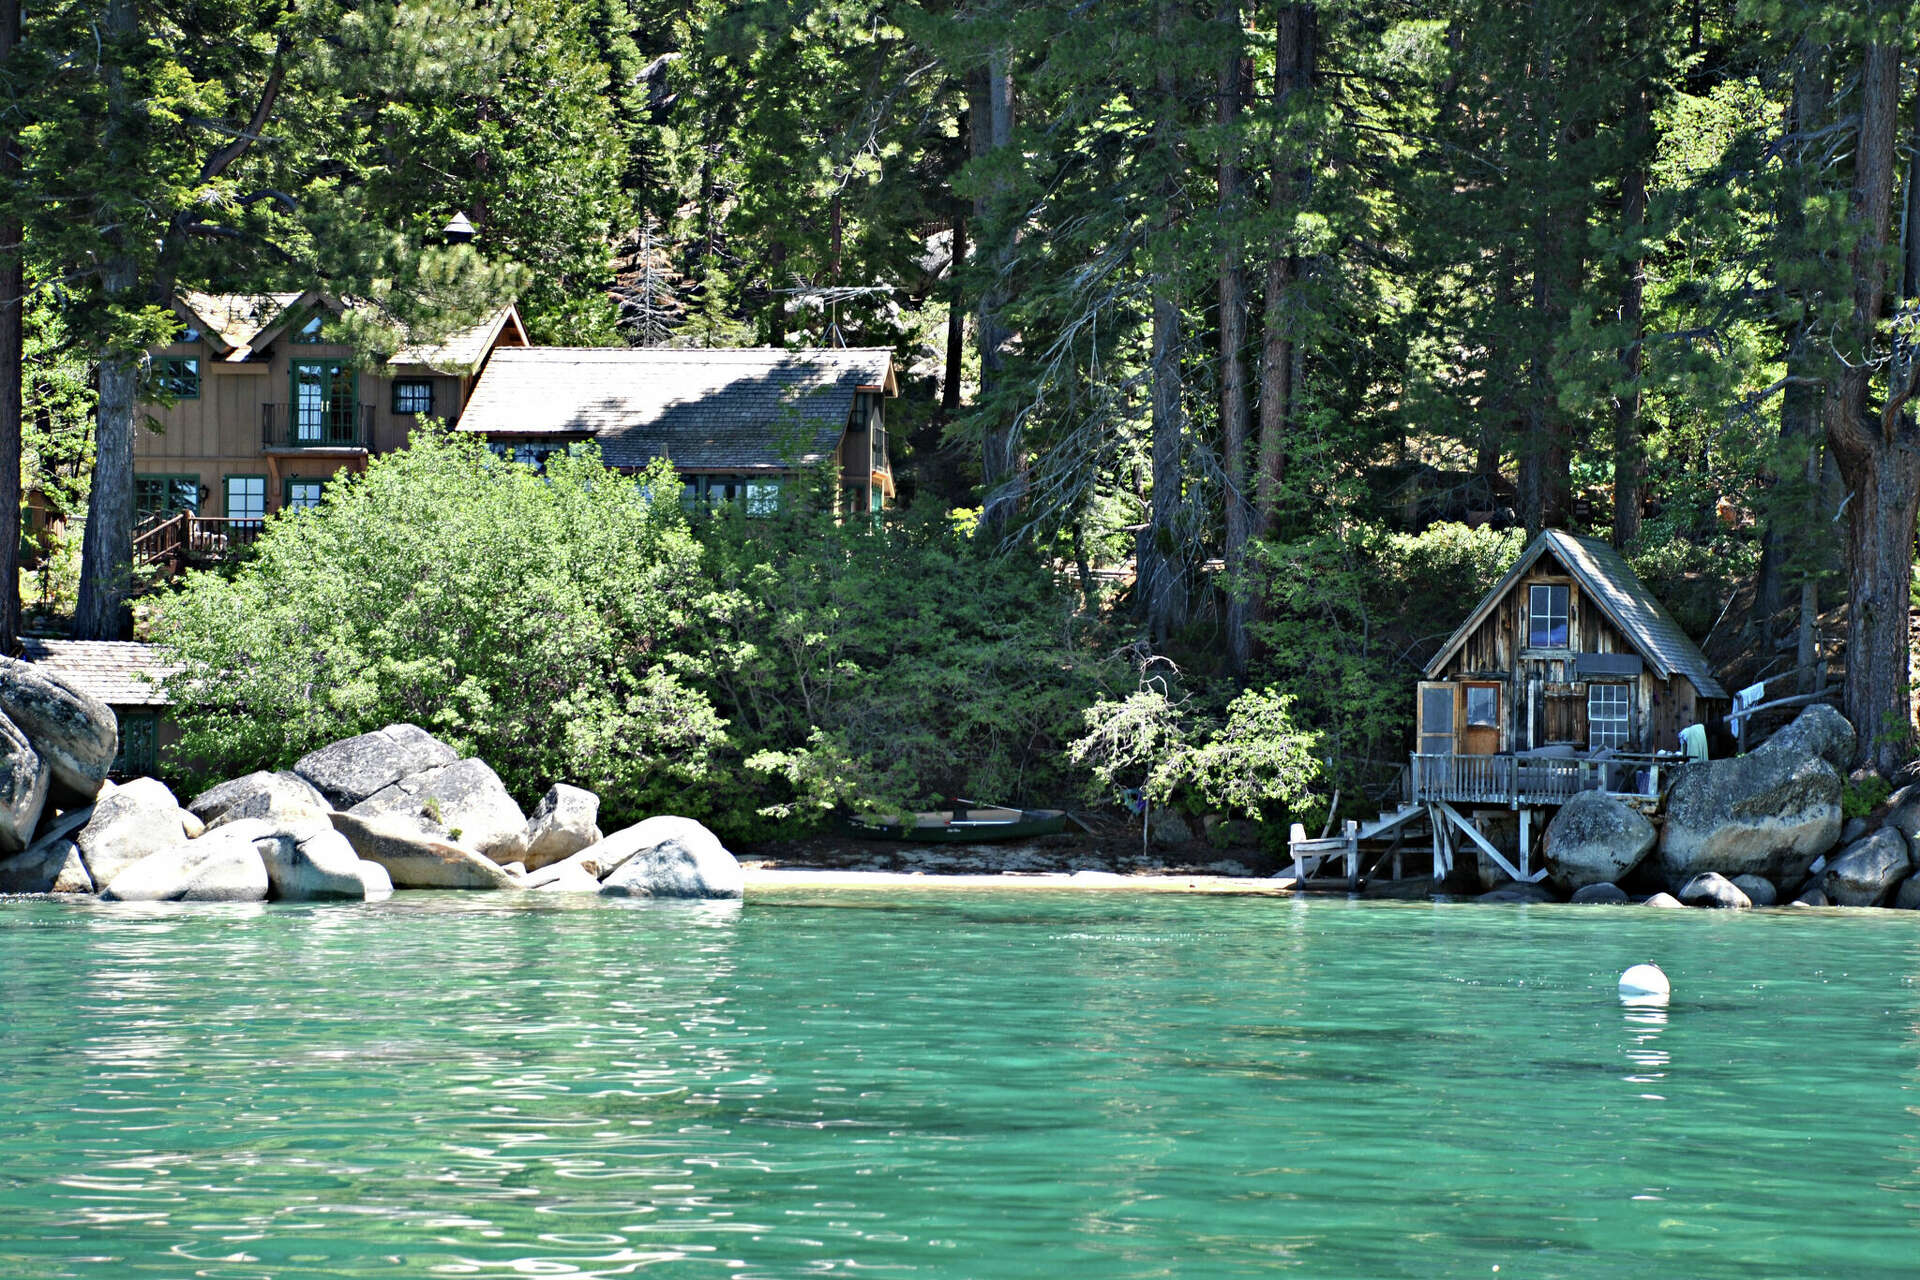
579	625
1270	305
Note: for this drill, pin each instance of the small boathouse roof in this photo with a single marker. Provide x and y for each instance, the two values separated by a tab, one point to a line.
1610	582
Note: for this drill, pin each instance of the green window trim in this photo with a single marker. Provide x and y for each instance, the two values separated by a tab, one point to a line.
166	492
287	492
226	497
139	754
176	376
333	415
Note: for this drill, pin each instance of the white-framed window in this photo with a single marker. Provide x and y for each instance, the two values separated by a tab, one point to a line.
1547	617
763	497
1609	715
246	497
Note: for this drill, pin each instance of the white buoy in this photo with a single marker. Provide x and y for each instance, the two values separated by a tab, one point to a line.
1644	984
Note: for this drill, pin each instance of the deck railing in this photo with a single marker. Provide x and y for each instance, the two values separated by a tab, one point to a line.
306	426
185	535
1510	780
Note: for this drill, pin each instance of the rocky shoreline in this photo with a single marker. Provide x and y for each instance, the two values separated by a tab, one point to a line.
397	809
391	810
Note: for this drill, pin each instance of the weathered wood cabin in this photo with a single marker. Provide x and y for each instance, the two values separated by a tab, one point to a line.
1568	676
1569	655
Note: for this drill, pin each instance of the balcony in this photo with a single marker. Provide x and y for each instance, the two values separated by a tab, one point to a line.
327	426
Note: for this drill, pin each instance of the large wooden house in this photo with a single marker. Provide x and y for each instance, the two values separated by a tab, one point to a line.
1567	676
258	404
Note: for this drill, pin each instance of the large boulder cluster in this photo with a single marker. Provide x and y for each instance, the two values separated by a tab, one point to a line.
360	818
1754	831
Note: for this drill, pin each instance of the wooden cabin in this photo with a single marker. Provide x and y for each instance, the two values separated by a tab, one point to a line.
1569	655
1568	676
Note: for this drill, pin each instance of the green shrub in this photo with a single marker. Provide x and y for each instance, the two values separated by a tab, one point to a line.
525	619
1858	799
1255	762
881	664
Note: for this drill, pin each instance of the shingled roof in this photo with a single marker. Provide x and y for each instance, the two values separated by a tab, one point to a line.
761	407
1610	582
118	672
238	324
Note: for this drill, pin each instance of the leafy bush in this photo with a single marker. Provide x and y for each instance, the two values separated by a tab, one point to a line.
1349	617
1256	762
1858	799
525	619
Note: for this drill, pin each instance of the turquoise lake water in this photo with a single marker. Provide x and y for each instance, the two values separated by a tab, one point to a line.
954	1084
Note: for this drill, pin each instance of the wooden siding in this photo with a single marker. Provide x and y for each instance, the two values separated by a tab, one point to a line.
1543	698
218	434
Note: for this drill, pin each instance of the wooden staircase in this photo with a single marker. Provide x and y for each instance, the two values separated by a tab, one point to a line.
1311	856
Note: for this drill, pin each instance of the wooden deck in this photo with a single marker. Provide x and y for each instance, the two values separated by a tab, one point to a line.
1436	784
1518	782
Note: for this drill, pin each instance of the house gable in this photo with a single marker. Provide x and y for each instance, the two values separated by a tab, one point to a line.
1615	591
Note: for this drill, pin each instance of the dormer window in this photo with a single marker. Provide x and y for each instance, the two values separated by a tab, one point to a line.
309	333
188	333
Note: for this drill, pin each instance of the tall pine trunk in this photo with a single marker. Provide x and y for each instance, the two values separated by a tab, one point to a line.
106	550
1163	559
992	120
1233	341
1295	36
1629	455
1878	460
13	289
956	323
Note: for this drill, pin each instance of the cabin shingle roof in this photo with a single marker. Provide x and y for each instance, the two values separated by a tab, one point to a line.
120	673
1610	582
700	408
239	320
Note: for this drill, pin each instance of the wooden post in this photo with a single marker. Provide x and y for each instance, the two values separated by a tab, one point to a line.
1351	830
1526	839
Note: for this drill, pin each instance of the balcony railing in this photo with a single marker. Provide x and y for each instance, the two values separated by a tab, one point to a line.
332	426
1528	780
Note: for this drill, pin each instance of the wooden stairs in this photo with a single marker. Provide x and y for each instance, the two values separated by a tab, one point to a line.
1390	829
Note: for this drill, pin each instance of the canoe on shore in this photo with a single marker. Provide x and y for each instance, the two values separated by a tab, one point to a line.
960	826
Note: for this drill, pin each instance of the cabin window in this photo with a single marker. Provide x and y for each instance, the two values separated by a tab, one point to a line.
311	333
177	376
1546	617
412	395
1483	706
530	453
166	493
303	494
763	497
1609	715
246	498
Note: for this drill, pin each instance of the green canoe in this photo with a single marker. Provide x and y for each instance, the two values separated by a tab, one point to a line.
960	826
